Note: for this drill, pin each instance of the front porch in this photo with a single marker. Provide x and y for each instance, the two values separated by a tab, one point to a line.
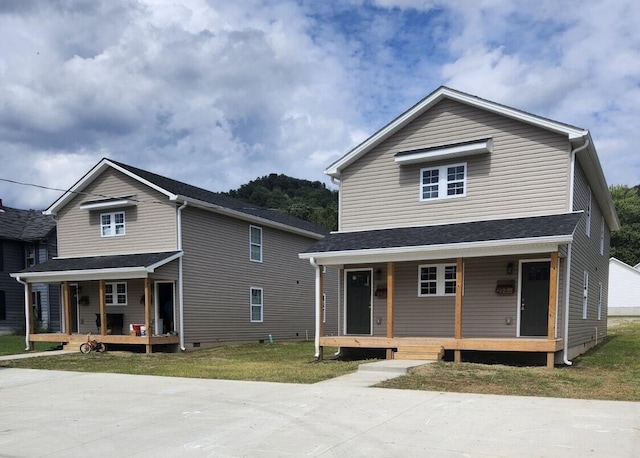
73	341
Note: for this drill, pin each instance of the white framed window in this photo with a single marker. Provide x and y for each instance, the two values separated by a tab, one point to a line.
115	293
437	280
256	305
602	235
444	182
324	308
112	224
600	300
255	243
585	295
588	222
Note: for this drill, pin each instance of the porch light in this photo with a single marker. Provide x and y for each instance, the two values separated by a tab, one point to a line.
510	268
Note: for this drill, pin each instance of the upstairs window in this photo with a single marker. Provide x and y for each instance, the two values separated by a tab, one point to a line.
443	182
602	235
588	223
437	280
112	224
255	243
115	293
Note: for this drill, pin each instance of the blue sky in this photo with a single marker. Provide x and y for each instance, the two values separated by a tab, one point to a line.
217	93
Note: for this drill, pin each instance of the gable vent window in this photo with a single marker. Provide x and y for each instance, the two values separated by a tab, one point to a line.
112	224
443	182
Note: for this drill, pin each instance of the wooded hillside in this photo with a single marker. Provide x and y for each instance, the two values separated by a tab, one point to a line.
625	243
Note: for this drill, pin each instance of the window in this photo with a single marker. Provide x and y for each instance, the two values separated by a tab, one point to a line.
443	182
600	300
588	223
255	243
115	293
112	224
585	295
324	308
437	280
3	307
602	235
256	305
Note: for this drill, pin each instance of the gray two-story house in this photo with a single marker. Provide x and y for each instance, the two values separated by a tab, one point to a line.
165	263
466	225
27	238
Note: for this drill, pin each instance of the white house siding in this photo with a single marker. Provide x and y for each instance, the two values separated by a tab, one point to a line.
218	276
150	226
525	175
585	253
624	289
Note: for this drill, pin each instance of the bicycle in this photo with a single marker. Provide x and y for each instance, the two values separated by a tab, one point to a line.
92	345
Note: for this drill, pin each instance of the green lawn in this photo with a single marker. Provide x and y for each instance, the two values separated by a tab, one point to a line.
14	345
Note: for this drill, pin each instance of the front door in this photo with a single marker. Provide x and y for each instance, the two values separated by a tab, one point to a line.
73	308
165	307
534	298
358	302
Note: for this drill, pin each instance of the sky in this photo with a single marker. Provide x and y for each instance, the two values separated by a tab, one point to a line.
216	93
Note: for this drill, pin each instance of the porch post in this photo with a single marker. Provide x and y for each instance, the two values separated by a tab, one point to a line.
390	280
320	311
147	312
102	303
553	303
457	356
66	304
28	312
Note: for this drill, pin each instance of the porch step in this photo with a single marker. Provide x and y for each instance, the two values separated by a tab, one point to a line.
429	353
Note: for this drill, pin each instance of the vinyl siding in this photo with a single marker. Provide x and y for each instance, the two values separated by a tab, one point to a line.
150	226
218	276
525	175
586	256
13	253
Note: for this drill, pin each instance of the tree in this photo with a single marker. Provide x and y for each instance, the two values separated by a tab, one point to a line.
625	243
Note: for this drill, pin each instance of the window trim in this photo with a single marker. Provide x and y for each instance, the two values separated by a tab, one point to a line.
443	182
602	235
587	229
252	305
585	296
113	226
252	244
599	300
114	294
441	281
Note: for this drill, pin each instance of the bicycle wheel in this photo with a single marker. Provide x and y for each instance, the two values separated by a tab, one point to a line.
85	348
101	347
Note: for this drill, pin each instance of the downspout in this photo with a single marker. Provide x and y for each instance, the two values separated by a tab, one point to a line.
315	265
568	273
27	314
180	282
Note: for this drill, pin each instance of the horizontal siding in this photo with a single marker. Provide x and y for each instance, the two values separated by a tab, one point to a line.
525	175
14	258
218	276
150	226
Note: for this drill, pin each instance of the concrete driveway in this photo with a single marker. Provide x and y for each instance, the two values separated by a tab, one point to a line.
67	414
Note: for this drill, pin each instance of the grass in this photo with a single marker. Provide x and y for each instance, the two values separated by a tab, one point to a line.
280	362
13	345
611	371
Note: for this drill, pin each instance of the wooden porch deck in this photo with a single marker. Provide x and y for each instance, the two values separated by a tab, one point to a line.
73	341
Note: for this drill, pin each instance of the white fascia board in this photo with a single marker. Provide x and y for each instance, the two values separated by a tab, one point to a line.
448	152
120	273
161	263
444	92
113	203
249	218
432	252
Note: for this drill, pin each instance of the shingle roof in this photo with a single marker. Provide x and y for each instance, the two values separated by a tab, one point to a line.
25	225
194	192
101	262
478	231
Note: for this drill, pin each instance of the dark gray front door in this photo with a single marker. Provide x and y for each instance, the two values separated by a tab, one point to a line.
73	307
359	302
534	298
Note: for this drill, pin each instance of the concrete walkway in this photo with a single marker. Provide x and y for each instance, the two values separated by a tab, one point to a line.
69	414
35	354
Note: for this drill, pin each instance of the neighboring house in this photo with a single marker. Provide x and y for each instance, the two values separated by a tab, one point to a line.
27	238
466	225
180	264
624	289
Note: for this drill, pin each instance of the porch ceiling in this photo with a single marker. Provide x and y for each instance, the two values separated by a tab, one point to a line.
474	239
116	267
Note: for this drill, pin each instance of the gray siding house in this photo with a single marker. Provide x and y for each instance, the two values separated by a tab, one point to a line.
467	225
164	263
27	238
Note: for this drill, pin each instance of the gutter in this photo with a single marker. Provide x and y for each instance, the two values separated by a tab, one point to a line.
27	314
180	277
315	265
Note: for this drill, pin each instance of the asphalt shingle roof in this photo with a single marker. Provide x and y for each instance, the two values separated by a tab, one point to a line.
25	225
194	192
101	262
478	231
